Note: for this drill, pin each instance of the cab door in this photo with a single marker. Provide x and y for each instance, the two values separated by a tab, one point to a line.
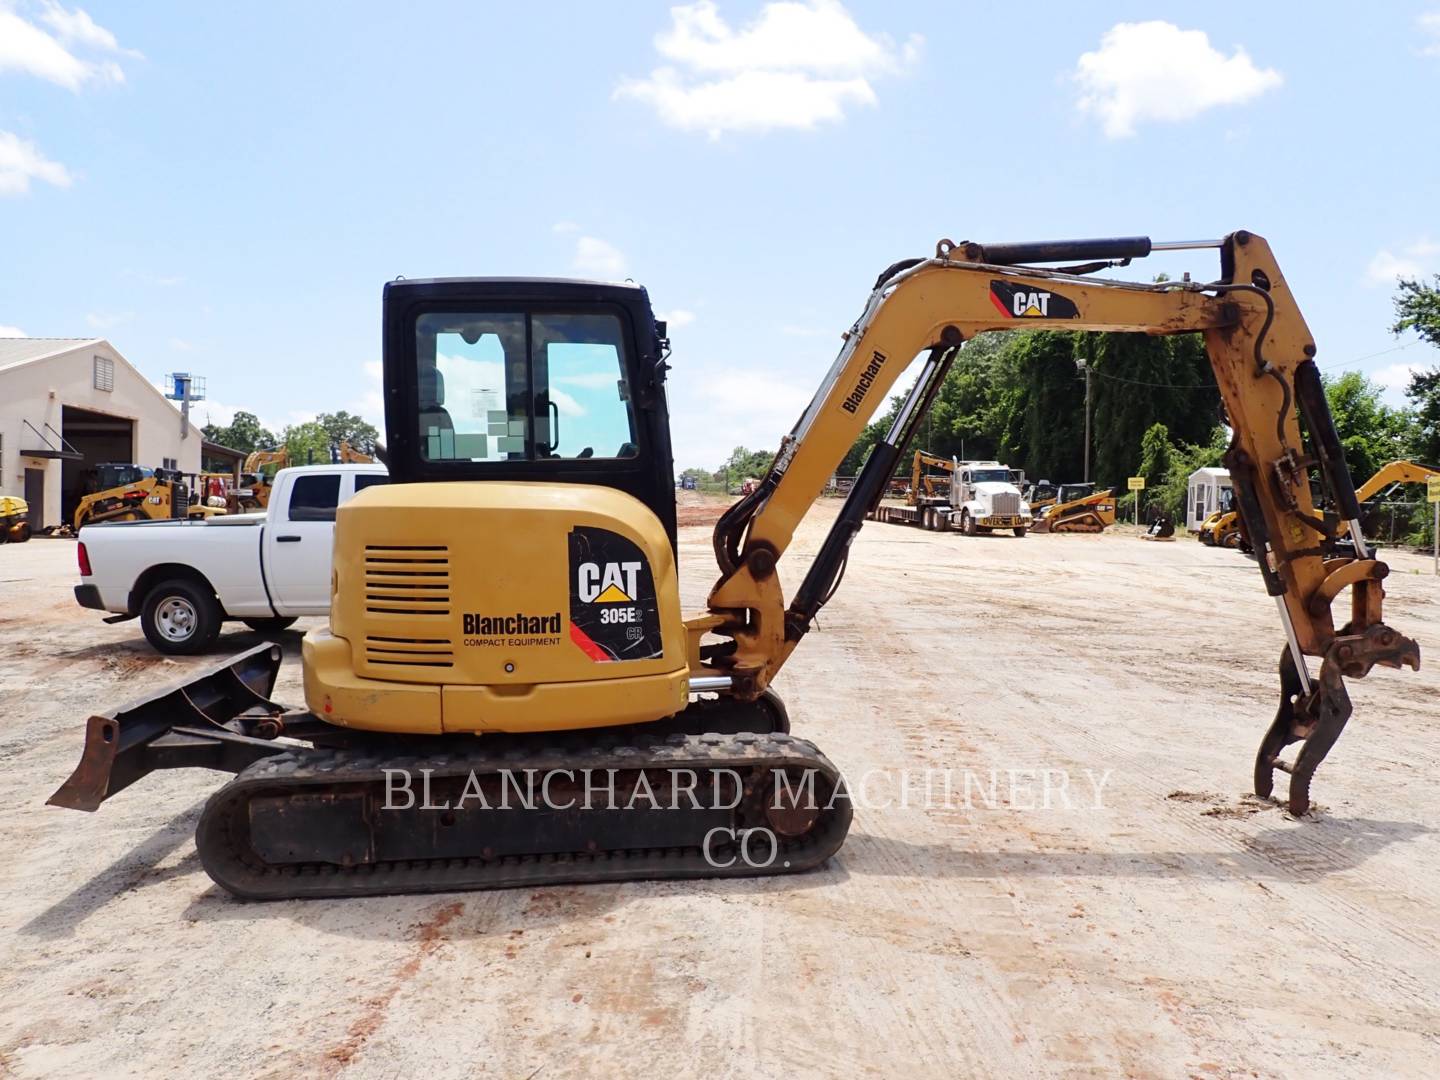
298	541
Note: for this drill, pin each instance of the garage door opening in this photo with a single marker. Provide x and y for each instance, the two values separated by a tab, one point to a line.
100	439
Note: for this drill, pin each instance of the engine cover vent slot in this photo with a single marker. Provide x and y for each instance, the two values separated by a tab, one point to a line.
409	651
407	581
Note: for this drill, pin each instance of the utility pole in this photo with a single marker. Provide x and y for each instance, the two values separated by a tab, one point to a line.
1086	368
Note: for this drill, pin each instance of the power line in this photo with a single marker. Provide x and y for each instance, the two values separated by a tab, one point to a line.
1211	385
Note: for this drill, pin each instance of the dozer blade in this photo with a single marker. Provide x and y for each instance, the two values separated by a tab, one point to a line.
206	721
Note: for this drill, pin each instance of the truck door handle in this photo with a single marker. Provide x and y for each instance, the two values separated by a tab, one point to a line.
287	539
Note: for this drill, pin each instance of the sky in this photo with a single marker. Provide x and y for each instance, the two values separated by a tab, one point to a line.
224	189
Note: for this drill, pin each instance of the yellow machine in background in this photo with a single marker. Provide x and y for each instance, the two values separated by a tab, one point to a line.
1223	528
1396	472
161	496
256	478
516	580
1090	513
929	479
348	455
14	520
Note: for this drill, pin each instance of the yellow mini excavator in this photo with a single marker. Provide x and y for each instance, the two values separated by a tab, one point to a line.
507	692
1090	513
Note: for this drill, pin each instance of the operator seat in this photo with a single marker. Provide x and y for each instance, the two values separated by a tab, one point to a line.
434	417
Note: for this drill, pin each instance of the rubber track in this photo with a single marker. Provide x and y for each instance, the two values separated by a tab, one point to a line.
222	835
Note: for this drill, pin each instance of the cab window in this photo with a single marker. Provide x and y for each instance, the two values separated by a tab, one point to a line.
523	387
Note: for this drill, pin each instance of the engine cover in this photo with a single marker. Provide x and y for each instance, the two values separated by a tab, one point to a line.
498	606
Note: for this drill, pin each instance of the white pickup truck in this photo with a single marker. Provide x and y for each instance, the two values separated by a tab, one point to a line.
182	579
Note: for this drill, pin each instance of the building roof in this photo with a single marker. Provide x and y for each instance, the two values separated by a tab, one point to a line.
1211	473
17	352
215	449
21	350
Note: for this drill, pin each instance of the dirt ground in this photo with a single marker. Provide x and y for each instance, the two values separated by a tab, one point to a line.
1171	926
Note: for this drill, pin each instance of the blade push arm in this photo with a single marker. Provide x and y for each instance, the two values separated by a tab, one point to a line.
1262	355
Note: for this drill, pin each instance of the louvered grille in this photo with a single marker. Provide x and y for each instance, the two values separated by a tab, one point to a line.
410	581
1005	502
409	652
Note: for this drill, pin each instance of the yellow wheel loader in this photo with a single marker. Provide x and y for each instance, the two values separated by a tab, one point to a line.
508	693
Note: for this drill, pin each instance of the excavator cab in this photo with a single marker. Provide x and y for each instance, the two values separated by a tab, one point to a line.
535	381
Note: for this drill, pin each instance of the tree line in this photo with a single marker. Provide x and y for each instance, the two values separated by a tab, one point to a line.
311	441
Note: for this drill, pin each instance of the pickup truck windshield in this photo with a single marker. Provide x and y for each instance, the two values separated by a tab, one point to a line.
522	387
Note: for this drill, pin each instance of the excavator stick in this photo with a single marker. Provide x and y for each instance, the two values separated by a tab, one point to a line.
219	718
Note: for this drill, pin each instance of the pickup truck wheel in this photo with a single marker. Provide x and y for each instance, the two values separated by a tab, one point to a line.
180	617
270	626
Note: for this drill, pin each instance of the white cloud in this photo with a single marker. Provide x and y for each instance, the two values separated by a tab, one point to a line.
30	50
599	259
12	331
1429	25
713	414
371	403
22	161
798	64
1396	376
1412	261
673	320
589	380
1156	71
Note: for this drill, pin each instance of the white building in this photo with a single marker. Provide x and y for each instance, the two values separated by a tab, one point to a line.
70	403
1208	491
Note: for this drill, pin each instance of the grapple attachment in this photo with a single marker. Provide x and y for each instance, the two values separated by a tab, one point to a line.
210	720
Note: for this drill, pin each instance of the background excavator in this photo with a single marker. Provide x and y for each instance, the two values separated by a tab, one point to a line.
517	581
1223	528
1396	472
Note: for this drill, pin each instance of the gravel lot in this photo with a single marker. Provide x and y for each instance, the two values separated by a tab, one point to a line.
1171	926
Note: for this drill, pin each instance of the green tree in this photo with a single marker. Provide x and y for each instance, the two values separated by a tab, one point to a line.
345	427
1155	455
1424	396
244	433
1417	308
307	443
1371	433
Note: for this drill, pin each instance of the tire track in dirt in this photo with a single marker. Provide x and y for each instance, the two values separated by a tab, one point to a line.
429	936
